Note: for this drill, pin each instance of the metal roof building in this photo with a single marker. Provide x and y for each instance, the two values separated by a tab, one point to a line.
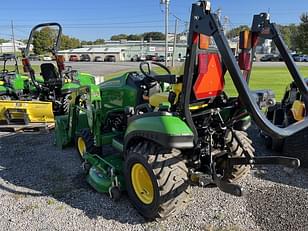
125	50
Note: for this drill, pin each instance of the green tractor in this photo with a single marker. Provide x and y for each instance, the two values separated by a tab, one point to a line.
13	85
192	133
56	82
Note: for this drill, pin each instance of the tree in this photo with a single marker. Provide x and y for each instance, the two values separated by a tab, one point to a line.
288	34
43	40
302	34
118	37
86	43
98	42
134	37
153	36
3	40
236	31
69	42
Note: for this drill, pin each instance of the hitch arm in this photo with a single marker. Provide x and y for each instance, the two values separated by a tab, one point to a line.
265	160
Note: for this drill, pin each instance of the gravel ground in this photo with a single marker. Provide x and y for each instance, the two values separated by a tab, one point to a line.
43	188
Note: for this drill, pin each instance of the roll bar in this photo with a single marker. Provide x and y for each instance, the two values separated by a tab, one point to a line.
58	40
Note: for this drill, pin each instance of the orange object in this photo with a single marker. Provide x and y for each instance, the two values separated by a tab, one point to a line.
245	39
60	62
210	81
204	42
26	65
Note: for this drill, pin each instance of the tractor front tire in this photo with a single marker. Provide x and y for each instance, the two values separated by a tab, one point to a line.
156	179
84	142
240	146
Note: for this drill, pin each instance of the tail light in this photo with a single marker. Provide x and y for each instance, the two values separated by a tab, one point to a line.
204	42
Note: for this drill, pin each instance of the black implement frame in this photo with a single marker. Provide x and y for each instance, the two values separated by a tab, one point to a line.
207	23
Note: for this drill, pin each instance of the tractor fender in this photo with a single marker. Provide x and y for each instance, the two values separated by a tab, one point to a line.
162	128
69	87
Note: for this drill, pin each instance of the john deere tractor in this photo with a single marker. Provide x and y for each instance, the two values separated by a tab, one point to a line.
192	133
13	85
56	82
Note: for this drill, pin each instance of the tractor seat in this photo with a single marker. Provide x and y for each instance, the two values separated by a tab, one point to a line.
50	74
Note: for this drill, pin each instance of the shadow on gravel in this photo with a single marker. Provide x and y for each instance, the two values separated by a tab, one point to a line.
279	174
30	165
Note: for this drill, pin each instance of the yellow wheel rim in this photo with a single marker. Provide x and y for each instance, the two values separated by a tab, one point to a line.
142	183
81	146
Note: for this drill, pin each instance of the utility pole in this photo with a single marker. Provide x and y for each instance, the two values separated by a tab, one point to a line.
13	37
174	42
166	2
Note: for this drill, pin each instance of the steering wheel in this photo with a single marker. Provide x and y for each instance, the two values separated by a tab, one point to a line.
149	73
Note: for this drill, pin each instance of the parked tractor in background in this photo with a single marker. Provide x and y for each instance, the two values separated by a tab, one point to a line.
37	98
13	85
57	82
193	133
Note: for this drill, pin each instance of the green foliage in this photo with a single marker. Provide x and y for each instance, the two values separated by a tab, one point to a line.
43	40
96	42
236	31
99	41
118	37
137	37
288	34
153	36
69	42
134	37
3	40
302	35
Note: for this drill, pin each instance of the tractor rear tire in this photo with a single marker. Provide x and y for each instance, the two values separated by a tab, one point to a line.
84	142
239	149
156	179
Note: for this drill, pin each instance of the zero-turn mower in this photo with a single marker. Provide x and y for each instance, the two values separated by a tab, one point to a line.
192	134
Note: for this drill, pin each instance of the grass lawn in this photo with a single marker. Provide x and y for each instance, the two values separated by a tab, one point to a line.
275	78
20	68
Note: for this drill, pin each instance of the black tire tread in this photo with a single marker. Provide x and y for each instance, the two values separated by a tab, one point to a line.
238	150
89	140
171	175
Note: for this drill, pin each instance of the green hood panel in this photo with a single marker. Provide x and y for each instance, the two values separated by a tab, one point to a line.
85	78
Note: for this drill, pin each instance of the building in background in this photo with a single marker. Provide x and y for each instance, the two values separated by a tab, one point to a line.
8	47
126	50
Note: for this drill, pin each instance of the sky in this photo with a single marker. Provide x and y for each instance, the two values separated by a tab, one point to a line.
93	19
